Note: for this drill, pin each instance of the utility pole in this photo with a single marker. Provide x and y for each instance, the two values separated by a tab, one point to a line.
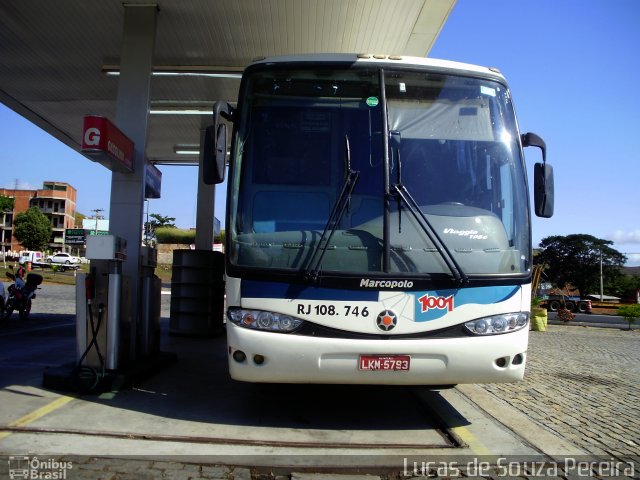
97	212
146	225
601	283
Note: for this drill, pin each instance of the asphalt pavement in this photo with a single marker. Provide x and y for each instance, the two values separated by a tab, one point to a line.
594	320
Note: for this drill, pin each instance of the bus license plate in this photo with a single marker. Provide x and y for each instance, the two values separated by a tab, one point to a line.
384	362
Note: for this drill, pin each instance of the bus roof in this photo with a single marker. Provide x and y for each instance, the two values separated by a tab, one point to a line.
381	59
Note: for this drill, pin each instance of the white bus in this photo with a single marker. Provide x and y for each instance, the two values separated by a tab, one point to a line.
378	225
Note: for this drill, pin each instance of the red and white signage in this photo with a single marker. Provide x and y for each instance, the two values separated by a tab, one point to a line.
104	143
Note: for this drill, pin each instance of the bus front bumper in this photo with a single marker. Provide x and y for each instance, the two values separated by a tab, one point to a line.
258	356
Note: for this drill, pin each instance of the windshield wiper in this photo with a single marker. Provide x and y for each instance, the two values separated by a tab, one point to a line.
312	271
403	195
398	198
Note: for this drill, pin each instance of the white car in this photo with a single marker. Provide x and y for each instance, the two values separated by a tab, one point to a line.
63	258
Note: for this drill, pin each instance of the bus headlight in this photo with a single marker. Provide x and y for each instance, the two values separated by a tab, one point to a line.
263	320
496	324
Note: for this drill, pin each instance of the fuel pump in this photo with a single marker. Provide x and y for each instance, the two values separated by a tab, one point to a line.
104	326
102	311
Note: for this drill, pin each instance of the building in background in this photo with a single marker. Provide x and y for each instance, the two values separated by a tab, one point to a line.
57	200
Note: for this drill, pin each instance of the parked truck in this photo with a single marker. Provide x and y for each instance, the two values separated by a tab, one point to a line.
571	303
27	256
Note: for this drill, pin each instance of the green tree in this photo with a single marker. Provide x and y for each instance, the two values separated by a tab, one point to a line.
6	204
575	259
623	285
32	229
6	207
78	218
158	221
162	221
630	313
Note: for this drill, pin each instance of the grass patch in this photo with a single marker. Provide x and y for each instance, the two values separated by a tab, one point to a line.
175	235
68	278
163	271
49	275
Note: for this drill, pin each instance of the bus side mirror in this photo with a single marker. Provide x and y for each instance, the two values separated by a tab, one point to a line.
530	139
543	189
215	154
542	177
215	145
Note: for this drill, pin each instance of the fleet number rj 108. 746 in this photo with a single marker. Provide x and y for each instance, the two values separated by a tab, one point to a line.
345	310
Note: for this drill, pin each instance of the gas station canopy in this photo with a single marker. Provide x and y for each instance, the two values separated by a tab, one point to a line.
144	77
60	60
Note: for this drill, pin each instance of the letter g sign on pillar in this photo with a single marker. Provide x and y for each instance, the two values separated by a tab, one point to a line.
91	137
105	143
94	132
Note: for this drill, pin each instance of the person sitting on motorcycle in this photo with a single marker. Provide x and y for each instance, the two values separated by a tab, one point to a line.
19	281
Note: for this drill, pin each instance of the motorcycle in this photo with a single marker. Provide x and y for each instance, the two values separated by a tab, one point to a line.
21	293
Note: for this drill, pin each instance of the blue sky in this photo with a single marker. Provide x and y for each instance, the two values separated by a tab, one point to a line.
573	69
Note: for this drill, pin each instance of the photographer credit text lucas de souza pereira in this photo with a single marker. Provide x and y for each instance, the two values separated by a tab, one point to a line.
504	467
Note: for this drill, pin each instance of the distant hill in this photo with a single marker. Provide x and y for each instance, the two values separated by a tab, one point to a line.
632	271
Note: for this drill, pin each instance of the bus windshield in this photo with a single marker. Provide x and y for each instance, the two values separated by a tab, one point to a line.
450	185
